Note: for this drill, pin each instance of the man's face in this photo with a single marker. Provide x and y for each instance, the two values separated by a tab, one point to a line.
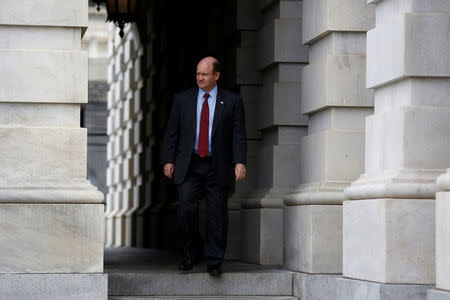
206	77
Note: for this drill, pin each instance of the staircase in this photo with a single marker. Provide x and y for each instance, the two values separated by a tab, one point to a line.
149	274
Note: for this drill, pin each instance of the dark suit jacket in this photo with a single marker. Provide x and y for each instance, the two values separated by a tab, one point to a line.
228	143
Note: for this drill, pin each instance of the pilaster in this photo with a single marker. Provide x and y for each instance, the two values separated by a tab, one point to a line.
280	58
247	78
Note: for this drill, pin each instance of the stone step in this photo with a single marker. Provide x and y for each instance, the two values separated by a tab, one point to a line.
202	298
274	283
145	272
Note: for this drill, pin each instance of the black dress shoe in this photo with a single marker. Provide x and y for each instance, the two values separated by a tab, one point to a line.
214	270
187	264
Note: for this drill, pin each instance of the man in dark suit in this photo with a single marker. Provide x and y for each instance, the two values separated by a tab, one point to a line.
205	146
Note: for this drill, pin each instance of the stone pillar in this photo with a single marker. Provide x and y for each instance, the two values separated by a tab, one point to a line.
336	101
442	240
389	220
51	217
280	58
248	79
125	149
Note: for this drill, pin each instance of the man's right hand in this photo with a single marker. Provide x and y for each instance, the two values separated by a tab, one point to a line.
168	170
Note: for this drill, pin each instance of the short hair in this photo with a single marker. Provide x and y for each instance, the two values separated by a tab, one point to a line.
216	66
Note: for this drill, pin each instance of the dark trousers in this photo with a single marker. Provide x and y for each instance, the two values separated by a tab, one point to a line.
201	180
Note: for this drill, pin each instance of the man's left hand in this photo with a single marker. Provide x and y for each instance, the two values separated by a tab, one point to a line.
239	171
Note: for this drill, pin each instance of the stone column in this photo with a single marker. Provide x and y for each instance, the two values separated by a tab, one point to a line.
389	220
51	217
248	79
442	240
280	57
336	101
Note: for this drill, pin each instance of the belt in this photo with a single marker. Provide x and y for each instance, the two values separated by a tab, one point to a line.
196	156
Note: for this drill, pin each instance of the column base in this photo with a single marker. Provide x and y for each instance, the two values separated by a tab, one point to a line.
315	286
313	238
54	286
434	294
51	238
351	289
262	236
401	247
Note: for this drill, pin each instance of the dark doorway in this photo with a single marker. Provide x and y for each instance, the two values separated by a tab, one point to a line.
176	35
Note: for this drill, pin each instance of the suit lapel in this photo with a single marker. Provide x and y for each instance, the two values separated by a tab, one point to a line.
194	112
220	104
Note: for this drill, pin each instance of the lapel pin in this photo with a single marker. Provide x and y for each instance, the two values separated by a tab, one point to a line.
221	102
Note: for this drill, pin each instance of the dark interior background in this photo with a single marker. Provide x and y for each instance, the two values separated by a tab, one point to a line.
176	35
